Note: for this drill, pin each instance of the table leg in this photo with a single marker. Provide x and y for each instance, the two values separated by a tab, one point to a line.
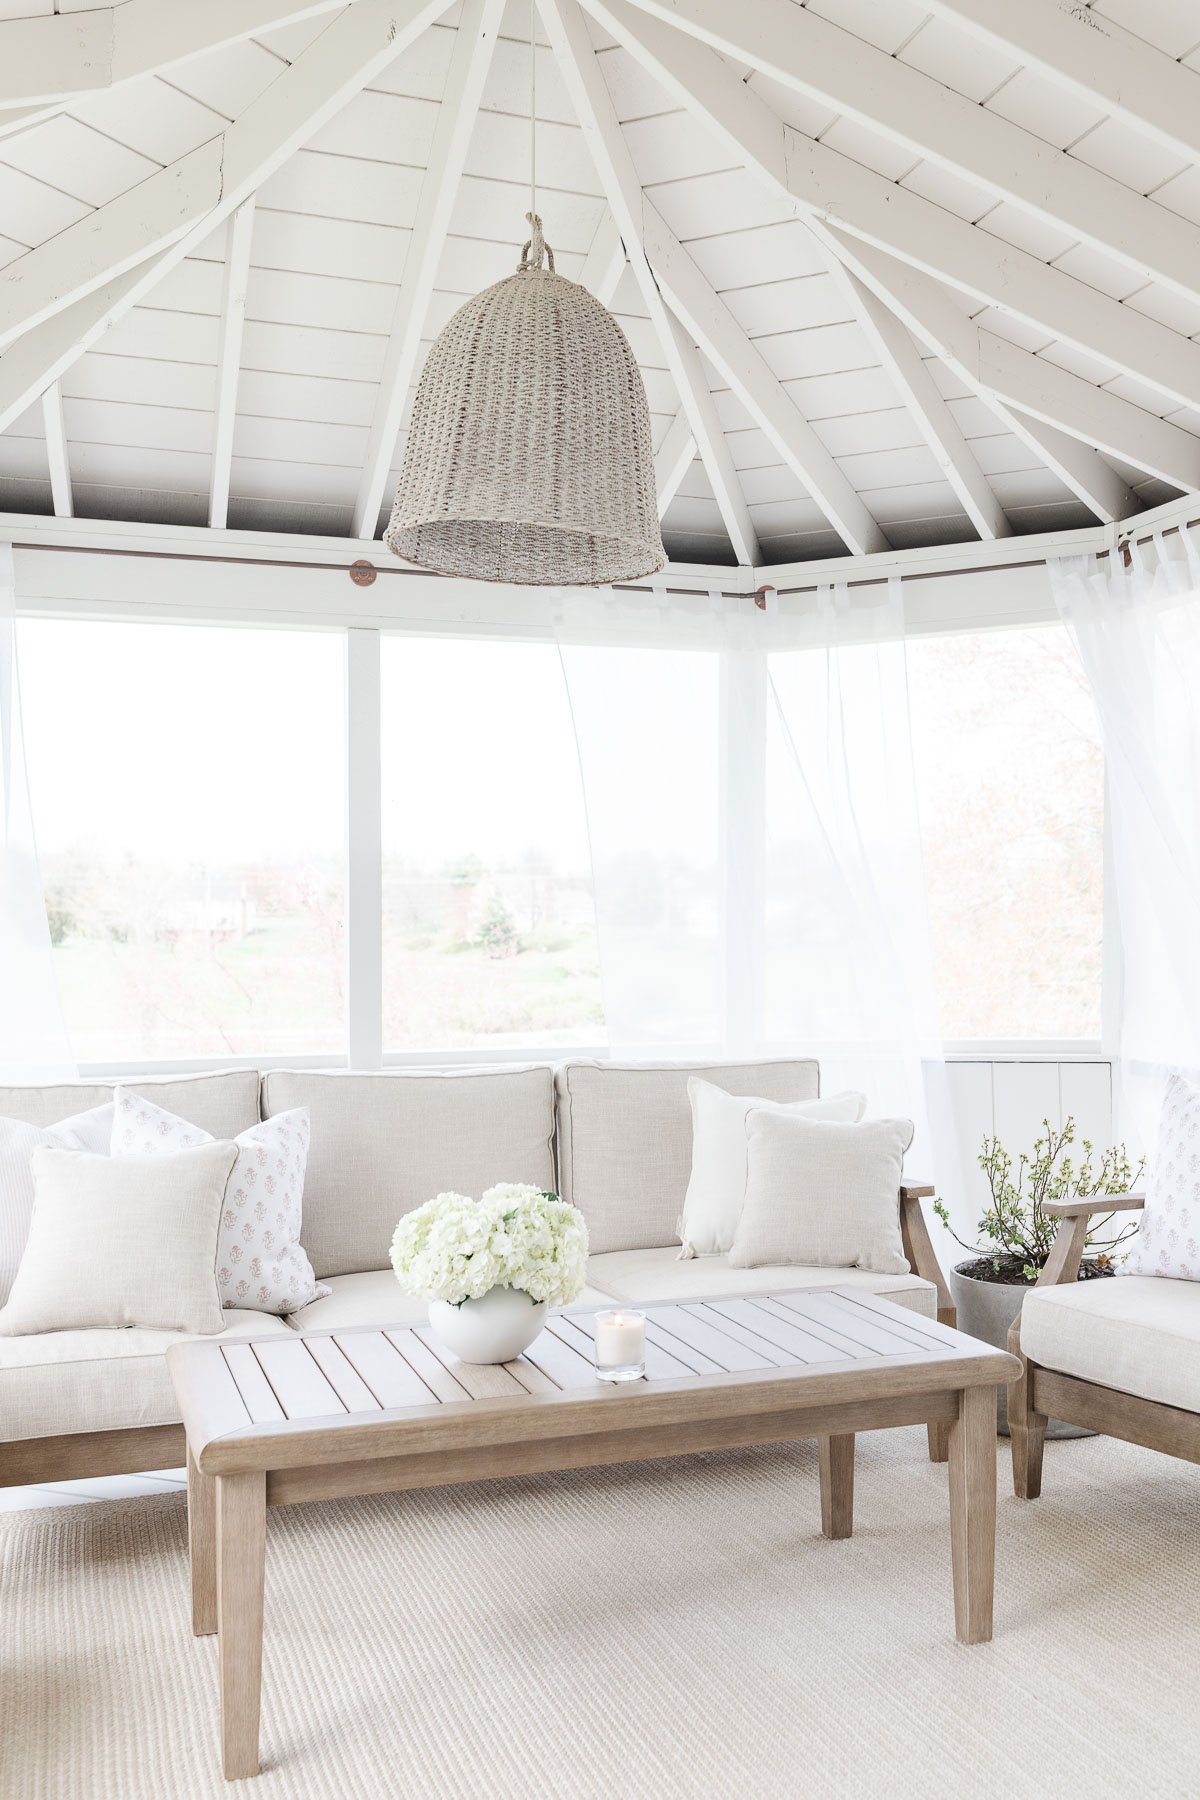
973	1512
837	1485
241	1545
202	1548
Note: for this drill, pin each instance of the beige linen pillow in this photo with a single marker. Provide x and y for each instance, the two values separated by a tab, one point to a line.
822	1193
717	1186
116	1241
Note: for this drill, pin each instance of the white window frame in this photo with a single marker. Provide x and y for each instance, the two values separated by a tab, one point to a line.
115	570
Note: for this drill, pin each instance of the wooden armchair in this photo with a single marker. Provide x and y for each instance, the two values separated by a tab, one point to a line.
1097	1333
918	1247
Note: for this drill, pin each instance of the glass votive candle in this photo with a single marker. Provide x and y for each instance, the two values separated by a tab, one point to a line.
620	1345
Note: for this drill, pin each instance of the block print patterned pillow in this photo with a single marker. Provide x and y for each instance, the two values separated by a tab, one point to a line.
261	1264
1168	1239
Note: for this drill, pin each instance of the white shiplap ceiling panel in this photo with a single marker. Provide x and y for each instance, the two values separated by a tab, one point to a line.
328	240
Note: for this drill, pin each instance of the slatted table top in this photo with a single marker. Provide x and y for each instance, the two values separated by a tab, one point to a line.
263	1403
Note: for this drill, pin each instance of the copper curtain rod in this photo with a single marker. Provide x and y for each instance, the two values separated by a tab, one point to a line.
363	572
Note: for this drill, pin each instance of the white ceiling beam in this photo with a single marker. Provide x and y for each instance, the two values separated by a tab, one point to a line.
106	242
903	362
348	53
56	452
63	54
827	185
740	363
229	359
475	40
806	53
998	370
605	262
594	111
1090	56
1079	467
673	459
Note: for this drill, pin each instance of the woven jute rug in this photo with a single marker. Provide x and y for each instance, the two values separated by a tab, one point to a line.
674	1628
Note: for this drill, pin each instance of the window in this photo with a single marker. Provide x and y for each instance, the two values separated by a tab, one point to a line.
489	933
187	789
1011	786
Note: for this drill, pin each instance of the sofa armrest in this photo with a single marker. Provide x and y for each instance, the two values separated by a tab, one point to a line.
1070	1241
918	1247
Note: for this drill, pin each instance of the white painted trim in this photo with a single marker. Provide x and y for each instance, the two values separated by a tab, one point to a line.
364	852
470	60
229	358
57	456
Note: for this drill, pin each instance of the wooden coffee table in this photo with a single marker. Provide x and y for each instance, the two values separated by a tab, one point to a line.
270	1421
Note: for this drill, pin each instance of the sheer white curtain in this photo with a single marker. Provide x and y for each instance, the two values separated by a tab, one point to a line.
1137	630
33	1038
755	838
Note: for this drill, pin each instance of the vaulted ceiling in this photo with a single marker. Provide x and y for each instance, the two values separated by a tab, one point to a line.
896	275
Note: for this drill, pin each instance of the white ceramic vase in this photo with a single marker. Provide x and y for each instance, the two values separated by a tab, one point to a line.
493	1329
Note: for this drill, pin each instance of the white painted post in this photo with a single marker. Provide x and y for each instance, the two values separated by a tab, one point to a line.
364	852
742	846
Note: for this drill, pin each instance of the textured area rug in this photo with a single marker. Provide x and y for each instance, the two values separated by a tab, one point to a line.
666	1629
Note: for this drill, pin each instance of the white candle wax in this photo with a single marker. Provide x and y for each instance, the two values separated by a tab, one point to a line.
620	1339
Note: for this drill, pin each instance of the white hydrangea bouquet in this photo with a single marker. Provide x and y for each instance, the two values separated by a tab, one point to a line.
490	1267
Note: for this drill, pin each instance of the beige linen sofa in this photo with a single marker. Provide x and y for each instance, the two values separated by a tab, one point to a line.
614	1138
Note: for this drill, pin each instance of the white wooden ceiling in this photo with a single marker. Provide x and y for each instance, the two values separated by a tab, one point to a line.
896	274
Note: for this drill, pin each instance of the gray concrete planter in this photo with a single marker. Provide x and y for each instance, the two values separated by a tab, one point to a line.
986	1310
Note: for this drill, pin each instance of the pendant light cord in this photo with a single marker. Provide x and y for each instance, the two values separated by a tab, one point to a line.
532	106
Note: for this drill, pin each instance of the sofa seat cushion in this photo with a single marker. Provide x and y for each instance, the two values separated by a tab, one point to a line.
641	1276
59	1382
1139	1334
376	1298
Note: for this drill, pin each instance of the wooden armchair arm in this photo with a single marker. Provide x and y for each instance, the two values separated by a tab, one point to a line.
1066	1252
918	1247
1099	1203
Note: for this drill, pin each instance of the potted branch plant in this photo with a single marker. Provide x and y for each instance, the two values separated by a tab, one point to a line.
1017	1233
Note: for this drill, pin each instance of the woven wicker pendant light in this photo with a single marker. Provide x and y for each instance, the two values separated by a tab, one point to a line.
529	455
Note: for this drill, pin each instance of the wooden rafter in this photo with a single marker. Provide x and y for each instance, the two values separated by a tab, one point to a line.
478	29
1089	55
57	458
54	57
593	106
229	359
833	187
673	459
796	47
604	264
355	47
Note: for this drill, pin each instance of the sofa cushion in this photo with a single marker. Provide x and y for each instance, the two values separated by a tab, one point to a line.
1139	1334
644	1276
60	1382
385	1143
625	1139
223	1104
376	1298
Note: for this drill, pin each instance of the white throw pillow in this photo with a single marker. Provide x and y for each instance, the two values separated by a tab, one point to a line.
122	1241
261	1266
823	1194
717	1186
18	1141
1168	1238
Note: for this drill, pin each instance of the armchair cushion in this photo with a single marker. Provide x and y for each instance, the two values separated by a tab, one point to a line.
1137	1334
